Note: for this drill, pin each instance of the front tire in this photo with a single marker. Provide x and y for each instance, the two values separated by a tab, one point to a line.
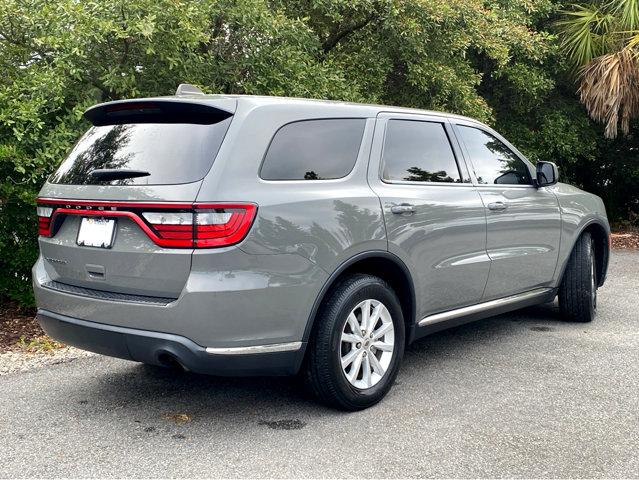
356	351
578	289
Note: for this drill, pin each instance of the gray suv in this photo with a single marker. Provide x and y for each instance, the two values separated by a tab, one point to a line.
244	235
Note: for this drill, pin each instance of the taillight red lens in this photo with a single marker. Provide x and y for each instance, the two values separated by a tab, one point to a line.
44	226
222	225
44	220
172	226
209	225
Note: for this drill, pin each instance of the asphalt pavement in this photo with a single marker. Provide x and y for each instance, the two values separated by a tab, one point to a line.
519	395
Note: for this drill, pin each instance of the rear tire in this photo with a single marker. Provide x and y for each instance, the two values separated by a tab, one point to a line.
578	289
354	357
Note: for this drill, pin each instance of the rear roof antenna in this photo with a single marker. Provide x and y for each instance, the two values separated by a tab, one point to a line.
188	89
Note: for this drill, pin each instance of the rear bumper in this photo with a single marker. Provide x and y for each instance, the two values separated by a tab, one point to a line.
158	348
230	299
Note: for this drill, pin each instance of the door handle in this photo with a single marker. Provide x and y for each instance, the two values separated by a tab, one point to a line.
403	208
497	206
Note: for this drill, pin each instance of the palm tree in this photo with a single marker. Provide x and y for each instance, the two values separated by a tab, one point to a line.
602	41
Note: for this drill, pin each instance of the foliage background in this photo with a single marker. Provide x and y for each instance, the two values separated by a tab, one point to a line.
495	60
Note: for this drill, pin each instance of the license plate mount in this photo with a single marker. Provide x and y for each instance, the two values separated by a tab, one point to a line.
96	232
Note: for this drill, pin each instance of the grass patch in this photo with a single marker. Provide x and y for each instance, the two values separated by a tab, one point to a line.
42	344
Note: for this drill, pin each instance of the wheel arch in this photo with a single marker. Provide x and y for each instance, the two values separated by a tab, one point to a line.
601	235
396	273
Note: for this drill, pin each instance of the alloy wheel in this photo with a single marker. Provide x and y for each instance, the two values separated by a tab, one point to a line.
367	344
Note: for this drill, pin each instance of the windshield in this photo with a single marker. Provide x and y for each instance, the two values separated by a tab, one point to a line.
171	153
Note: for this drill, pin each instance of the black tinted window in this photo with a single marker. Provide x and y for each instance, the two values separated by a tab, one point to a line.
314	150
493	161
170	152
418	151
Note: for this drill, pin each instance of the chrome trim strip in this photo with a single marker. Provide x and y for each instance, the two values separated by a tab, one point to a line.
272	348
482	307
434	184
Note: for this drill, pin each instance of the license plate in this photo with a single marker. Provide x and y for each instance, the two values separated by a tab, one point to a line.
96	232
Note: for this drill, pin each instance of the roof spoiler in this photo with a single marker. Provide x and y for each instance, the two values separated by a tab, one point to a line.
160	110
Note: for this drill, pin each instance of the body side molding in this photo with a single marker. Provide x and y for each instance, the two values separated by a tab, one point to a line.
460	316
484	306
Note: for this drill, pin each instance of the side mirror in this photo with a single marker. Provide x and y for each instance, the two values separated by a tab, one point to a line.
547	174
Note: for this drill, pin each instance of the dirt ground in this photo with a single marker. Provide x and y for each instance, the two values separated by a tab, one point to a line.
625	239
19	331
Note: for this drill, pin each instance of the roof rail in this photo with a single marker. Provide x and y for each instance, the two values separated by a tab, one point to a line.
188	89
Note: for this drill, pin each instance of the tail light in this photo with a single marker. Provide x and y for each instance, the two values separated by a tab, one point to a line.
44	220
168	225
217	225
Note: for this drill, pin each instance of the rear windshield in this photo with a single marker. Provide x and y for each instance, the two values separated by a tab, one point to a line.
171	153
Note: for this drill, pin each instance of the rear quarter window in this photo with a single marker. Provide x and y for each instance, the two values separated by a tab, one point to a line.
314	149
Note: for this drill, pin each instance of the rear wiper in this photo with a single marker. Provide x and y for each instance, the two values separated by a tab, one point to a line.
106	174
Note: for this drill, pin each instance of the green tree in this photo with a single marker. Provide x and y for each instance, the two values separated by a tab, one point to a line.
601	41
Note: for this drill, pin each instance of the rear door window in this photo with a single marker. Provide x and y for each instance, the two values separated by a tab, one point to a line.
314	150
171	153
418	151
493	161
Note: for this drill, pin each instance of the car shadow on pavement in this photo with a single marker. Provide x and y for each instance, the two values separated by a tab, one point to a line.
479	337
149	394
